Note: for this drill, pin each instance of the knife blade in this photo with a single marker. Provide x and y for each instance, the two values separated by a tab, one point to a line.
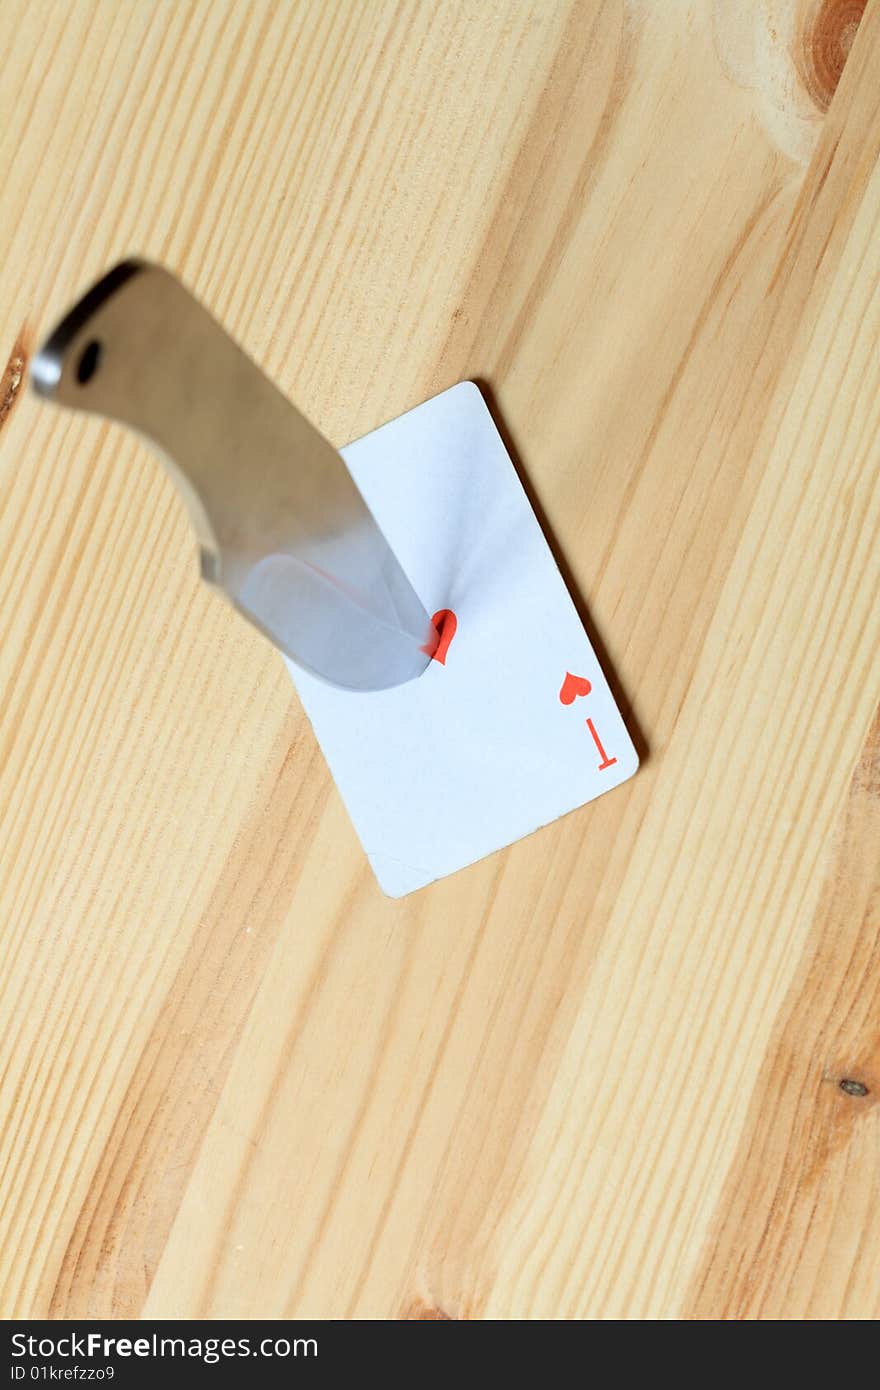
283	530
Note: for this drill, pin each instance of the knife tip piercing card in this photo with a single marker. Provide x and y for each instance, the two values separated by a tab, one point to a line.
513	723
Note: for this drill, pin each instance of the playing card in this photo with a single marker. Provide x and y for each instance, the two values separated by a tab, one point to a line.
513	723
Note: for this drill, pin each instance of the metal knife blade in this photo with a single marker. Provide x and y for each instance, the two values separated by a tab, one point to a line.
282	528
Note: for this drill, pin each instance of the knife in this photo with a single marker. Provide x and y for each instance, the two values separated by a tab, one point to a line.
282	529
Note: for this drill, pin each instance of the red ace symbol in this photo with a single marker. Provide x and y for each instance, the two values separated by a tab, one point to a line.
445	622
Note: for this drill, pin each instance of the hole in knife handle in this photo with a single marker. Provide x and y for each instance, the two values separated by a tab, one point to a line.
88	362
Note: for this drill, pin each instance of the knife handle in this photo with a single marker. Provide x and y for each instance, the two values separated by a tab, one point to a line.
282	528
139	348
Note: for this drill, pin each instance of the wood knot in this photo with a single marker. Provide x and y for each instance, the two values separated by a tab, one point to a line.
852	1088
419	1311
13	378
827	37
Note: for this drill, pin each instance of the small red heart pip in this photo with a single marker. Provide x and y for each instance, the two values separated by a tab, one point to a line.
572	687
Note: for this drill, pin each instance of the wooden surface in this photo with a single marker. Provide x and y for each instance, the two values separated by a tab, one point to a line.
599	1074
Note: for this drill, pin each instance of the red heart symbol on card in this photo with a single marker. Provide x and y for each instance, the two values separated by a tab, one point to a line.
445	622
573	686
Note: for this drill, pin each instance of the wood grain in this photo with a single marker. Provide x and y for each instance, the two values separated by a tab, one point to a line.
807	1158
598	1074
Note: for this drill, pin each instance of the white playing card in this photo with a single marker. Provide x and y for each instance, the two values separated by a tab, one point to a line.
481	750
